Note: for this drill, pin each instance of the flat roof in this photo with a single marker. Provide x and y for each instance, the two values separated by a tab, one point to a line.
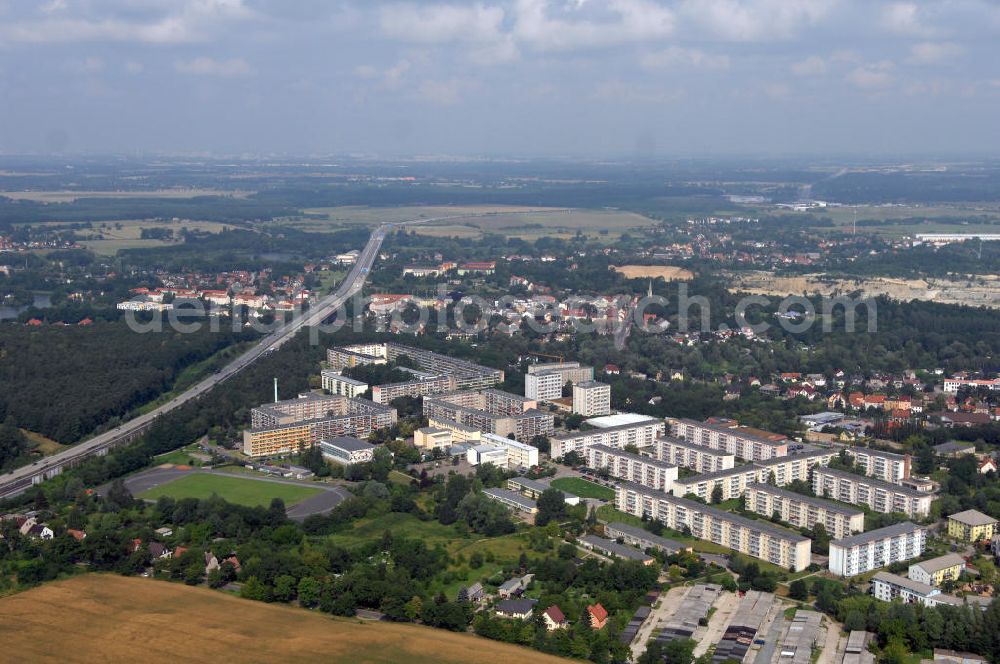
691	505
432	430
347	443
570	435
512	496
954	446
814	452
643	534
591	384
894	530
333	373
973	518
716	474
619	419
742	432
614	548
872	481
810	500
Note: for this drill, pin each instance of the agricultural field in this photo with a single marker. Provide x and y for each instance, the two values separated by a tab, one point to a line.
111	618
70	196
583	488
964	218
242	491
112	237
666	272
475	221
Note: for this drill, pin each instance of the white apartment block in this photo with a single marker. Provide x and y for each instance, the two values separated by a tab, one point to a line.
952	385
759	539
697	458
591	398
877	494
624	465
804	511
869	551
640	433
545	386
887	587
519	455
734	481
886	466
334	383
744	442
570	371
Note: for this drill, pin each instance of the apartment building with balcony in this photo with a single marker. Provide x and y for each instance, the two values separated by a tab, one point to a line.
641	433
624	465
886	466
727	436
804	511
759	539
878	495
687	455
864	552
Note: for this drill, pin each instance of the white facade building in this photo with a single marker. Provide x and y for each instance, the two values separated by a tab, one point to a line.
869	551
591	398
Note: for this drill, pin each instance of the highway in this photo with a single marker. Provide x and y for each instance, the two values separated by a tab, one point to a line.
20	479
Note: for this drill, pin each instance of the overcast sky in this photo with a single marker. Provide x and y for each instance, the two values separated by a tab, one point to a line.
656	78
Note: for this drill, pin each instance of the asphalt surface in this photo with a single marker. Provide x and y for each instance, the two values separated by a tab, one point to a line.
321	503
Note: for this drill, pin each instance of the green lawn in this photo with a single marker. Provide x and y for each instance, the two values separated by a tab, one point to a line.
238	490
583	488
181	457
609	513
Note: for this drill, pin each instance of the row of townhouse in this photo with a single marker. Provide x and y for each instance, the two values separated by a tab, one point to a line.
697	458
632	467
886	466
727	436
733	482
640	433
759	539
879	495
804	511
864	552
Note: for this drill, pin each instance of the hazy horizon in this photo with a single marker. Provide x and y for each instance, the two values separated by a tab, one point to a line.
622	79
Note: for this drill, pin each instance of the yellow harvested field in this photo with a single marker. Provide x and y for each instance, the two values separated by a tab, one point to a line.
41	443
667	272
105	618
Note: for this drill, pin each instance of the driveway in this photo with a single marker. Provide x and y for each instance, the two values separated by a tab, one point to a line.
663	610
771	634
717	624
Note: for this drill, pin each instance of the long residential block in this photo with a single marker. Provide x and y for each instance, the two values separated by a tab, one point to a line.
877	494
697	458
759	539
804	511
886	466
744	442
287	426
734	481
491	411
641	433
632	467
869	551
441	373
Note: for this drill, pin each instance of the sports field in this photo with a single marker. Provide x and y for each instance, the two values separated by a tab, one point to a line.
105	618
583	488
235	489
